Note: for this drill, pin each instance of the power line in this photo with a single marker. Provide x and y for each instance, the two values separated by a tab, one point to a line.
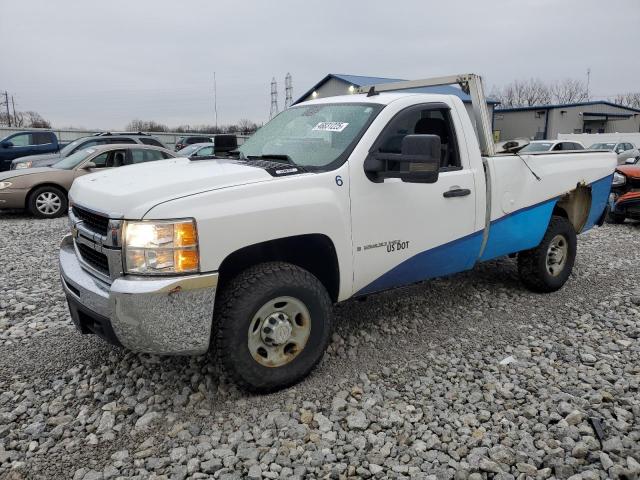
288	91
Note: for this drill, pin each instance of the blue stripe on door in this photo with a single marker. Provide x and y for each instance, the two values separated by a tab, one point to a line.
442	260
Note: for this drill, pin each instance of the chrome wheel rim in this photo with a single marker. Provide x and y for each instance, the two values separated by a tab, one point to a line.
48	203
557	255
279	331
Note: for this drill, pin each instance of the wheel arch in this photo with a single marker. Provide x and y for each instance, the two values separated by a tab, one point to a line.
315	253
27	197
575	206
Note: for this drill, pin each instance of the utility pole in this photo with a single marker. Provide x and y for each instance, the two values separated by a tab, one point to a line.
288	91
215	100
588	81
15	119
6	102
274	98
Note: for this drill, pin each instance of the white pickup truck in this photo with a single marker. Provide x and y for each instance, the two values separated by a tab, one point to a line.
334	198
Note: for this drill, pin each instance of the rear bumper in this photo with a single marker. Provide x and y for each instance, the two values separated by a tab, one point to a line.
168	315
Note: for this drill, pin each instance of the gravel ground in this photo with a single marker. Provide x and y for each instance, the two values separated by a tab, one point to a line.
470	376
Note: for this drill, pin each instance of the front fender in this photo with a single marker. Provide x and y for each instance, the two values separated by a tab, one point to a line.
233	218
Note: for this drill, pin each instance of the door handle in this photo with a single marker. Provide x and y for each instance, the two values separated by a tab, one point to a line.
456	192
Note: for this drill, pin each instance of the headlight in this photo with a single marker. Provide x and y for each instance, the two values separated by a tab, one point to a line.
161	247
618	179
4	185
23	165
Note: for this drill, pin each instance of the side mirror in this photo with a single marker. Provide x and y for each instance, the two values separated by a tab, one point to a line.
6	144
89	166
419	161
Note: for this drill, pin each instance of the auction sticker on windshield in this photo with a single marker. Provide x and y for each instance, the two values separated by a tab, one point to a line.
331	126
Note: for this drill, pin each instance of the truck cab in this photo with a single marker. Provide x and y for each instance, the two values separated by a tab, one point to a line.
334	198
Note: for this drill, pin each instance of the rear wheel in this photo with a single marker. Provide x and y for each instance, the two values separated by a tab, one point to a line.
547	267
273	324
47	202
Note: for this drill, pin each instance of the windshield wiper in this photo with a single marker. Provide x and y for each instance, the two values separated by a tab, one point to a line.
277	156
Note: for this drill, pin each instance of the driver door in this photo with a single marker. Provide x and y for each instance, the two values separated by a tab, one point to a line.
407	232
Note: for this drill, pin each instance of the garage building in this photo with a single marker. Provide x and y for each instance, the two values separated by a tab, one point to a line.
546	122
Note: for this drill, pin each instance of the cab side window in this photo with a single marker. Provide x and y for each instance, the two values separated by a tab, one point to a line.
101	160
423	120
21	140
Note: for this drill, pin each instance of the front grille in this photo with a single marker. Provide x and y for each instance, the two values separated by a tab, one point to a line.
93	221
97	260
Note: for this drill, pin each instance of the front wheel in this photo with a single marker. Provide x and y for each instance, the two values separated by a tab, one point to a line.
47	202
547	267
273	324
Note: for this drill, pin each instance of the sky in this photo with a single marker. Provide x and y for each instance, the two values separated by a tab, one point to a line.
99	65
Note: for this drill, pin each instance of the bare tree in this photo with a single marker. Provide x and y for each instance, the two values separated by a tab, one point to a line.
631	99
146	126
35	120
569	91
523	93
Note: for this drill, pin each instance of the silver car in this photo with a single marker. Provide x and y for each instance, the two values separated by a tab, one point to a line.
627	152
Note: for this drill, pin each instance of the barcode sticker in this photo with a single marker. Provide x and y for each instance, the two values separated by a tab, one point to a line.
331	126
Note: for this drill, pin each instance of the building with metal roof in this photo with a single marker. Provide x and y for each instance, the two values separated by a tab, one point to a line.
340	84
548	121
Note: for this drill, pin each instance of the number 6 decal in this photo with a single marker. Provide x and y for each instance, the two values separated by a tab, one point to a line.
339	181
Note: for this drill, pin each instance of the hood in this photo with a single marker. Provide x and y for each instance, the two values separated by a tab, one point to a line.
25	171
40	160
632	171
133	190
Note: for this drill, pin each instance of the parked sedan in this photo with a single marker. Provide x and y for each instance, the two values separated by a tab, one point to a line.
43	190
627	152
551	146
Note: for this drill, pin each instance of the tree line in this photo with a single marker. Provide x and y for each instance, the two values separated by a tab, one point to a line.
243	126
535	92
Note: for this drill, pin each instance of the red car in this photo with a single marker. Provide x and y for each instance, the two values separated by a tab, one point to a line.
625	194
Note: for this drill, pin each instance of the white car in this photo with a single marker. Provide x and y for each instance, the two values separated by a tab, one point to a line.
334	198
626	151
537	146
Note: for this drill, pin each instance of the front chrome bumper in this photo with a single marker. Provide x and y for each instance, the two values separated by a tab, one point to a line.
169	315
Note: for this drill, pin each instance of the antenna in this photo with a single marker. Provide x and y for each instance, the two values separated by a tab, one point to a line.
215	100
588	79
288	91
274	98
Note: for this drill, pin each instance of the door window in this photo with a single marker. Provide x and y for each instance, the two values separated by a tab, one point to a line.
558	146
151	141
101	160
422	120
120	140
21	140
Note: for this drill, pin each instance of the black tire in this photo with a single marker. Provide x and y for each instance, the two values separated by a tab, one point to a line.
38	195
242	299
616	218
532	264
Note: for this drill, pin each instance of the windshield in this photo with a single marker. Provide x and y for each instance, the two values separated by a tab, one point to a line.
603	146
69	147
538	147
75	159
312	135
186	151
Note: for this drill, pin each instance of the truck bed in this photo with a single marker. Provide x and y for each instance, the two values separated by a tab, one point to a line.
520	205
